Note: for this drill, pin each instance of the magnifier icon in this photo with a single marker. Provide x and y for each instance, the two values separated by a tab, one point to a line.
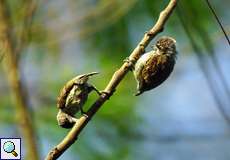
9	147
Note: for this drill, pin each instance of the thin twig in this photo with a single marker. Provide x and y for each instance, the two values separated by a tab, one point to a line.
209	46
200	58
218	21
72	136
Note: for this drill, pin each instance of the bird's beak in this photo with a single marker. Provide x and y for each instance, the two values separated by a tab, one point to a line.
92	73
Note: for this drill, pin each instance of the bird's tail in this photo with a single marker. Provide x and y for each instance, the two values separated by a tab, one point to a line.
138	93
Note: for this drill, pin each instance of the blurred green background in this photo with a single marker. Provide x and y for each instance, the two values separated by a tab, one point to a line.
181	119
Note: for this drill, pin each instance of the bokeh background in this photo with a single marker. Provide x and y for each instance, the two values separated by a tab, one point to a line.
54	40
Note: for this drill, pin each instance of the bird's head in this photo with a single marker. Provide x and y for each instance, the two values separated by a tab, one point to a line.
167	45
82	79
64	122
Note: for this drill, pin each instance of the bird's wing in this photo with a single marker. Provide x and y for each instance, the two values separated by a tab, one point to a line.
151	67
140	64
61	100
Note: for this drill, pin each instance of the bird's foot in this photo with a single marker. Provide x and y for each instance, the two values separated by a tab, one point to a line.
83	112
130	62
73	120
151	33
95	89
108	94
142	46
127	60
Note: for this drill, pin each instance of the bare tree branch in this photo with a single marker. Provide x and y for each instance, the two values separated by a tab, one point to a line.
72	136
203	66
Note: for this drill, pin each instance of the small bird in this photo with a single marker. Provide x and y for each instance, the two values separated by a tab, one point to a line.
154	67
72	98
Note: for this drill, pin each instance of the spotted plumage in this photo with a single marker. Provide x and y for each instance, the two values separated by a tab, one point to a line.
154	67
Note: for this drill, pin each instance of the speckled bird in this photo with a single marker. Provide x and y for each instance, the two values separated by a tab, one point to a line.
154	67
72	98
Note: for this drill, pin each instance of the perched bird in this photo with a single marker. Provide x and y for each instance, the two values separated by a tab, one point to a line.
154	67
72	98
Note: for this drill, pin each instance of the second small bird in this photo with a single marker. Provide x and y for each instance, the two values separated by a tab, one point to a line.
72	98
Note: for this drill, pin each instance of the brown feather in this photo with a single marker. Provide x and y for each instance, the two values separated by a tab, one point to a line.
61	100
157	69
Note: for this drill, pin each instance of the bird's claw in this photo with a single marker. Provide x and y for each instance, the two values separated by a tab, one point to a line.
127	59
108	94
74	120
82	111
149	33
